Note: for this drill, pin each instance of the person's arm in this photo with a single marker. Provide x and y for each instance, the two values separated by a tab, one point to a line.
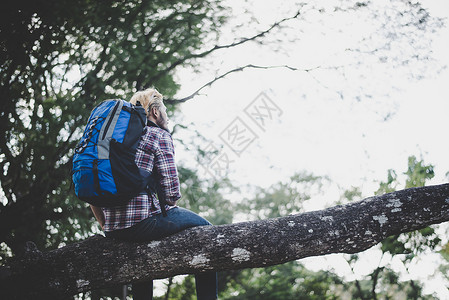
166	168
99	215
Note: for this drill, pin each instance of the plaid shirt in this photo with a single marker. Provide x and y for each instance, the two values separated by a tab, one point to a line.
156	154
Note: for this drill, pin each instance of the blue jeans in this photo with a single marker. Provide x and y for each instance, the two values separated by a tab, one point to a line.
157	227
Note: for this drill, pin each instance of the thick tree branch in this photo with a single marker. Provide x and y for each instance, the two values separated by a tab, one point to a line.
100	262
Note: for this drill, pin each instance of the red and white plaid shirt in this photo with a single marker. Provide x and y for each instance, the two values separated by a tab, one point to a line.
156	154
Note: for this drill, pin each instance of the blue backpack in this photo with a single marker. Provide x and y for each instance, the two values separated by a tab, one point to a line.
104	171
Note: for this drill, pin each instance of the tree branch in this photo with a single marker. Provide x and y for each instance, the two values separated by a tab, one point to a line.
101	262
218	47
182	100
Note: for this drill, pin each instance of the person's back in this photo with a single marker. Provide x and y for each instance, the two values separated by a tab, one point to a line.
155	154
143	218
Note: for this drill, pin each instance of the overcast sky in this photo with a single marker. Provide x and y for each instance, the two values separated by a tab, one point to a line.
352	124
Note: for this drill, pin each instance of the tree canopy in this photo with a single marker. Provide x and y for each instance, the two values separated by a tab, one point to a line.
58	60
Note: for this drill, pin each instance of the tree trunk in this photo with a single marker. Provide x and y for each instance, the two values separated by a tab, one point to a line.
99	262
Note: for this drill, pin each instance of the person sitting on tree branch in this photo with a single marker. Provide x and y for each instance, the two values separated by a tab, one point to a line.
142	218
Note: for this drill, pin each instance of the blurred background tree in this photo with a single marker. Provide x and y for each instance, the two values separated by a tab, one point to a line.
294	281
58	59
383	282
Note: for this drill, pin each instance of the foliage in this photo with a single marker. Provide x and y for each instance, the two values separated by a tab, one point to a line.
409	245
281	198
184	291
383	282
58	59
388	286
287	281
418	173
444	267
207	197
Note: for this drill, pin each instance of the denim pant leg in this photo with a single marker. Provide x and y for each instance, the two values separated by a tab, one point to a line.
157	227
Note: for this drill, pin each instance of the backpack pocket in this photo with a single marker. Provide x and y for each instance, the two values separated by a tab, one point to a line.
83	178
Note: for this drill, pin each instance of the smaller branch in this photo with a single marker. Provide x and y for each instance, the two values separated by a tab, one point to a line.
261	34
218	47
185	99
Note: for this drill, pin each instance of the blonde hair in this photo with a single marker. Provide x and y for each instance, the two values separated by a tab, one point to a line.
149	98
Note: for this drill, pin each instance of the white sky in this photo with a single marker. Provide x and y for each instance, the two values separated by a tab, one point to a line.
318	131
353	142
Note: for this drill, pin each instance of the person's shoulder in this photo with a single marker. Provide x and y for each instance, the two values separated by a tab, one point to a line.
158	133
